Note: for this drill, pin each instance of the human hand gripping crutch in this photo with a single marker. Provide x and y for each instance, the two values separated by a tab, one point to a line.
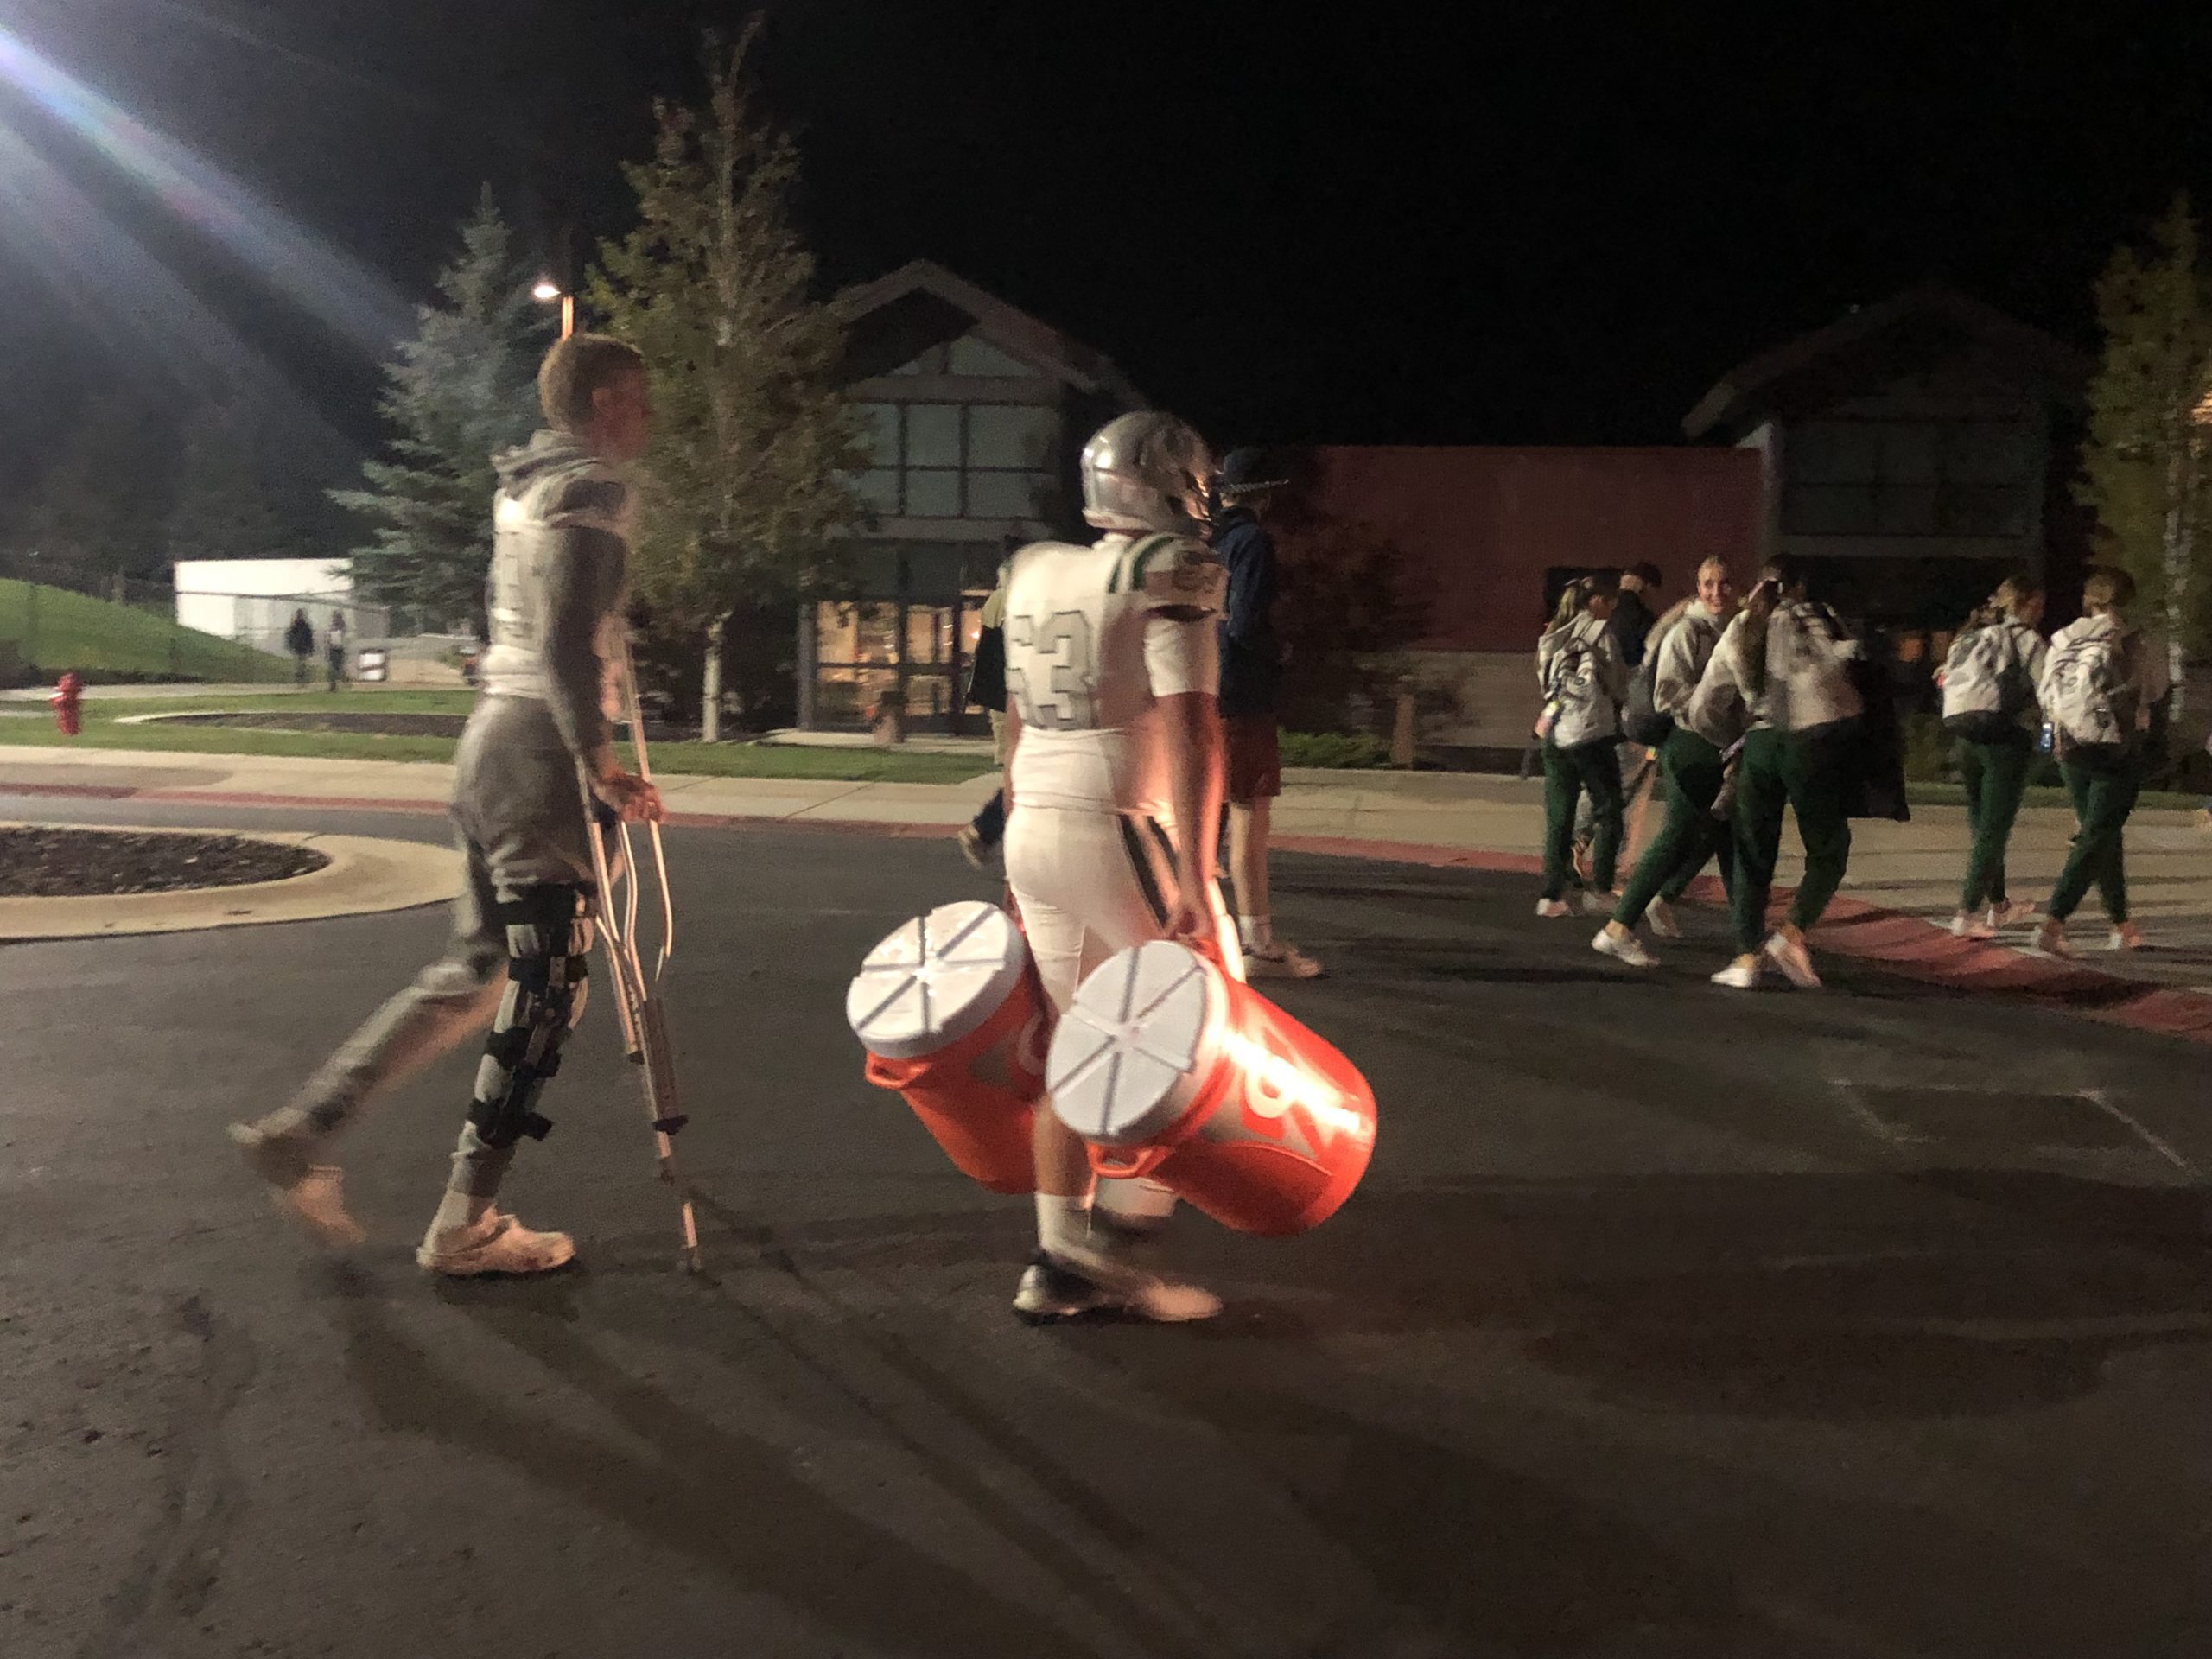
637	1001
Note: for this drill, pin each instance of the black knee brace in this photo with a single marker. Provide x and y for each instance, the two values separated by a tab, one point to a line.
548	942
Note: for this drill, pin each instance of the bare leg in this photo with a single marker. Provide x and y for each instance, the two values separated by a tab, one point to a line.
1247	854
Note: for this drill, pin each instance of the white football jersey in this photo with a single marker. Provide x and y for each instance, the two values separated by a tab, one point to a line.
1094	636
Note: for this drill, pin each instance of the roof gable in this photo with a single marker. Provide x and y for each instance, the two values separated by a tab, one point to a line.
897	317
1877	343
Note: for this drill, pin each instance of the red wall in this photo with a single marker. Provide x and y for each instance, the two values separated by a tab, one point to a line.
1480	527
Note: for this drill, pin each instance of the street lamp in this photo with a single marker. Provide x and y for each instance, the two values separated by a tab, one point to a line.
546	291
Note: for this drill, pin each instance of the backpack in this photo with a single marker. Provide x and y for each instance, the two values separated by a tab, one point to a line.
1986	688
1641	720
2082	681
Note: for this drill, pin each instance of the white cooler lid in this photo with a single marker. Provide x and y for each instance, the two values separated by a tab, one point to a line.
935	980
1120	1062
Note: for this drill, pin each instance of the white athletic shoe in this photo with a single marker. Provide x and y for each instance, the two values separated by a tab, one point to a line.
1795	961
1738	976
1622	948
972	847
1280	961
2012	913
1595	903
1056	1288
2050	939
499	1243
1552	909
2126	936
1968	925
1659	916
311	1193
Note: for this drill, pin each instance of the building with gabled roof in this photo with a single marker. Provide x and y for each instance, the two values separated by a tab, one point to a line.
1917	448
976	413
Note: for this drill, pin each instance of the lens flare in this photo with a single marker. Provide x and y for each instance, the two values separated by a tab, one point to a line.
349	300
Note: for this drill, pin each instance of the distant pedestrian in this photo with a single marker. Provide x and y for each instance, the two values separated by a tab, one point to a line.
299	639
1787	657
1578	668
334	648
1250	485
2096	688
1990	684
1690	768
981	836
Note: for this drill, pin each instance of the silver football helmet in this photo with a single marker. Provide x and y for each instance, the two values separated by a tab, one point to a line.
1146	471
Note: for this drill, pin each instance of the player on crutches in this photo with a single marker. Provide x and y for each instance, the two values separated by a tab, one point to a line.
535	874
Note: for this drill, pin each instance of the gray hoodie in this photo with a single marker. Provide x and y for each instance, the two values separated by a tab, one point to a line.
1578	667
1796	683
559	578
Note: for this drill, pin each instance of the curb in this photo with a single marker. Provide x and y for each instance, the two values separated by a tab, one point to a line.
1908	945
366	875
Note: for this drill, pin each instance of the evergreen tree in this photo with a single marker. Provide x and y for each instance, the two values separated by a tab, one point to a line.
463	389
2142	465
746	481
222	507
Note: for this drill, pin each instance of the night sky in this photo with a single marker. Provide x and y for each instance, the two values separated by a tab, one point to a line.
1552	224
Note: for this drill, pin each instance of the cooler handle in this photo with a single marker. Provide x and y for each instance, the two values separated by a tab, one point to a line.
1145	1160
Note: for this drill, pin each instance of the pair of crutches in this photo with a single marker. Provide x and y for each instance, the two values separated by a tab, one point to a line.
637	1000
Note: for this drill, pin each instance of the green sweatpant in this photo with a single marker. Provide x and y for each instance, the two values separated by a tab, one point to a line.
1804	772
2102	801
1691	769
1995	774
1594	766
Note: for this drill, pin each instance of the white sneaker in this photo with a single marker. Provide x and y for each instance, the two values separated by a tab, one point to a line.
311	1193
1280	961
1738	976
1595	903
2126	936
972	847
1659	916
2050	939
1795	961
2012	913
1054	1288
499	1243
1623	948
1552	909
1968	925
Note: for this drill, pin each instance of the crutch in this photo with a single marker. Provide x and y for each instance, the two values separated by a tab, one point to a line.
637	1001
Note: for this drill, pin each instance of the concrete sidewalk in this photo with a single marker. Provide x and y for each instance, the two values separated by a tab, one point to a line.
1913	867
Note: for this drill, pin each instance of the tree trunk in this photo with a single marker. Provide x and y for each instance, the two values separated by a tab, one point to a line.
710	684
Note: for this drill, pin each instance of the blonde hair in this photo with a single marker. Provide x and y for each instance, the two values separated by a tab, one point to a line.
1574	599
2107	588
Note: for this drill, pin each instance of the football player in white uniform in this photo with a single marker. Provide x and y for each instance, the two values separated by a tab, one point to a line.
1114	781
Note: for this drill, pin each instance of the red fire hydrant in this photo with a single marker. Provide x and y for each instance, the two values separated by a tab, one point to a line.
68	699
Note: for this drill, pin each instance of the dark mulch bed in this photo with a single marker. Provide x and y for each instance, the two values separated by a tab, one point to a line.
79	863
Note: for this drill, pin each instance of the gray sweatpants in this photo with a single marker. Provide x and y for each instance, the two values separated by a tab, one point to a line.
519	822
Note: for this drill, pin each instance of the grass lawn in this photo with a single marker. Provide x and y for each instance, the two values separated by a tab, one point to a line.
54	629
102	729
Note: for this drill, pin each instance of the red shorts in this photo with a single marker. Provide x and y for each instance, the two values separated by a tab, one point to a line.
1253	755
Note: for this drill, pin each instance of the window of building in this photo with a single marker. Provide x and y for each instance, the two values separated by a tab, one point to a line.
950	460
1964	479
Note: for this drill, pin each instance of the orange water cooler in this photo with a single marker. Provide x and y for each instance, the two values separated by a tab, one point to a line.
1174	1070
952	1017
